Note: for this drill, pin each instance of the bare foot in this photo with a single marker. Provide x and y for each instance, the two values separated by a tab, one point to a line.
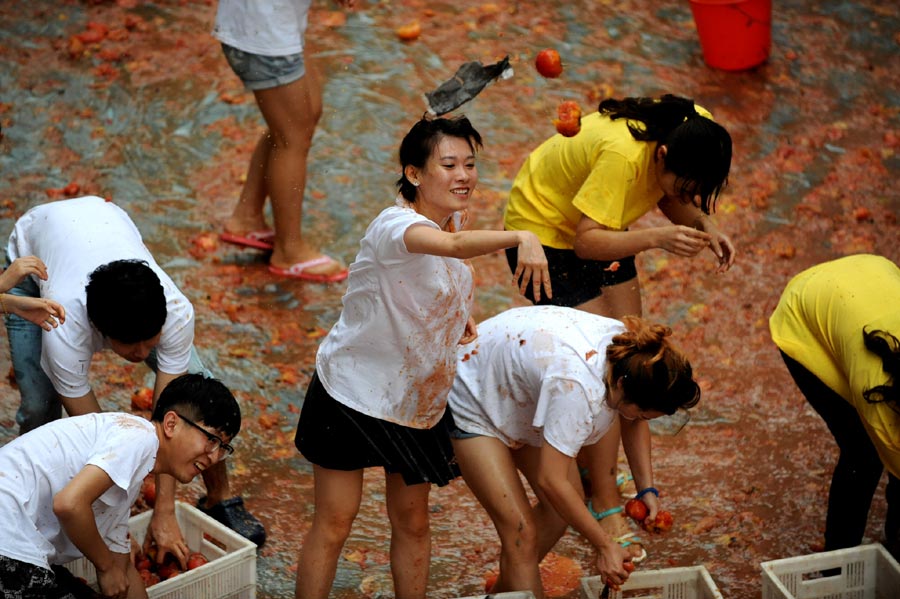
242	226
330	267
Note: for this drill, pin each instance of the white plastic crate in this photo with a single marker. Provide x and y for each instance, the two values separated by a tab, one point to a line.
693	582
230	573
507	595
864	572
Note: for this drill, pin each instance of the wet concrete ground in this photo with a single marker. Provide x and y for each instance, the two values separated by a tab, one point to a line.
153	118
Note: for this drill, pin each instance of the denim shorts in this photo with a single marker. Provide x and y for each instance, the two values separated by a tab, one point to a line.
264	72
459	434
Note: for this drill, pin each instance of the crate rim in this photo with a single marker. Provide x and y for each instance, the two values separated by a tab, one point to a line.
771	568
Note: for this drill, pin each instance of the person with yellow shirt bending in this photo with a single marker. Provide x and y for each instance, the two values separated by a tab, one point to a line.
837	326
581	194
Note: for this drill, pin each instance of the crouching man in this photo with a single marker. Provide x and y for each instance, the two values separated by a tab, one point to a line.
66	488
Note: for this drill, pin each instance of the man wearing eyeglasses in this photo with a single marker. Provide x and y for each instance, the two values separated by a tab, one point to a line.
116	297
68	486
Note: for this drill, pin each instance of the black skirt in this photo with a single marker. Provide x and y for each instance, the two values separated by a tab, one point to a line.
333	436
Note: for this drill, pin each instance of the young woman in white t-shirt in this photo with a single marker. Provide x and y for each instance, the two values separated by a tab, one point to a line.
539	384
379	394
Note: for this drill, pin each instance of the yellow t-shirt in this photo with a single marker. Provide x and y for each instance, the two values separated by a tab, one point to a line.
819	322
603	173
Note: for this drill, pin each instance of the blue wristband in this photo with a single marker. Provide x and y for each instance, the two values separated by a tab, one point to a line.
643	492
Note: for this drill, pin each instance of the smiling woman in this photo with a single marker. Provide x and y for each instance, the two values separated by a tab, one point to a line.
406	309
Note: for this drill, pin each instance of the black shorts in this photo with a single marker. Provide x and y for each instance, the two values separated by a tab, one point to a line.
575	281
336	437
23	580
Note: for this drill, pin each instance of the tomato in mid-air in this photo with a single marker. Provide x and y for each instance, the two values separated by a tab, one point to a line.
569	121
548	63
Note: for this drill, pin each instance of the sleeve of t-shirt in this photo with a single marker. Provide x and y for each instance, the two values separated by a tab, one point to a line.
66	354
127	454
564	413
173	354
127	450
389	242
604	194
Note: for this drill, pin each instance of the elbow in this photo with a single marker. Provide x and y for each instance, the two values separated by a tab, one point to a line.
63	506
581	248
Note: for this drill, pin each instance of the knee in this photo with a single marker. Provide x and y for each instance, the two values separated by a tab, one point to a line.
39	403
333	529
519	538
410	523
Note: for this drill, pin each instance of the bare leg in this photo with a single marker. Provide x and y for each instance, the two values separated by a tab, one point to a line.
407	508
216	480
602	458
337	496
248	212
291	113
550	525
490	472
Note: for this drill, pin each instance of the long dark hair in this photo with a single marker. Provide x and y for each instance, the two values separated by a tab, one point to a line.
698	148
421	140
887	347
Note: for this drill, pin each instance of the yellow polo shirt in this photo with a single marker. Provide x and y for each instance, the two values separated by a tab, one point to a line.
819	322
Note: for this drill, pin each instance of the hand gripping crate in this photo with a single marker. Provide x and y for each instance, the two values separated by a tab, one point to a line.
230	573
863	572
692	582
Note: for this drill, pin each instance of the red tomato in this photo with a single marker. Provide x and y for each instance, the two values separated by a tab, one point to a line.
629	566
568	128
148	578
142	562
196	560
91	36
569	121
148	490
409	32
168	569
662	523
548	63
569	110
637	510
142	399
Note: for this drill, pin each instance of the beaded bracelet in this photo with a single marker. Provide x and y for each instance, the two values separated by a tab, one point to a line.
643	492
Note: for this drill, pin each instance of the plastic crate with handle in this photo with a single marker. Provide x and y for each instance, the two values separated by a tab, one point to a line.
692	582
230	573
863	572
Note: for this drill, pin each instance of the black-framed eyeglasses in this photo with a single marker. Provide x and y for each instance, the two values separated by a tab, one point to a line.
213	442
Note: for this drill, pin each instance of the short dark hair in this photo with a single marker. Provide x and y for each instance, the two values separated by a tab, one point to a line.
698	148
201	399
419	143
126	301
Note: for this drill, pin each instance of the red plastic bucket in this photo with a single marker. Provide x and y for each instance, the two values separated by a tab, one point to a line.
734	34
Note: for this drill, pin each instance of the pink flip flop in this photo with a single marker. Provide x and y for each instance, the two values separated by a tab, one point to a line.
298	271
261	240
